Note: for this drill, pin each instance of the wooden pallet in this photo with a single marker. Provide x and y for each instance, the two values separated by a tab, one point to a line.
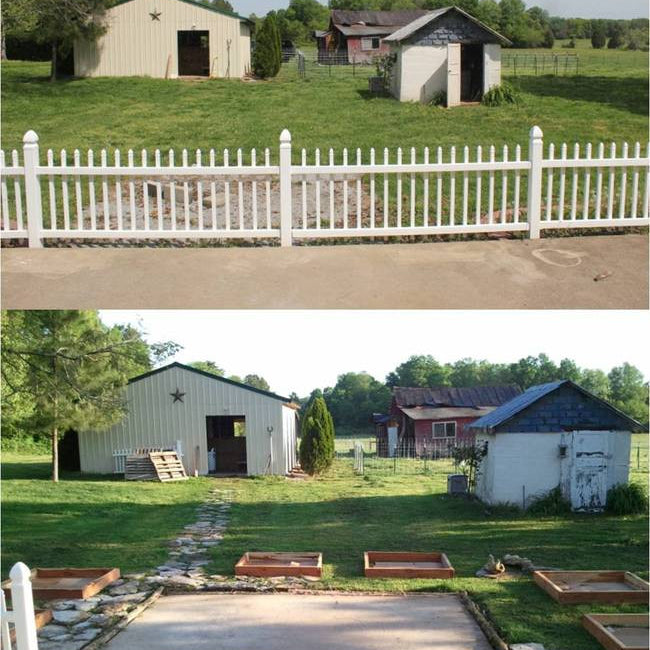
168	466
139	468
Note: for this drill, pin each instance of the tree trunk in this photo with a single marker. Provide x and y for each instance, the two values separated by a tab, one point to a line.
3	46
55	454
54	60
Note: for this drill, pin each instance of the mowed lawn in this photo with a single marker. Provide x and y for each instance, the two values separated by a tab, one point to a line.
607	101
97	521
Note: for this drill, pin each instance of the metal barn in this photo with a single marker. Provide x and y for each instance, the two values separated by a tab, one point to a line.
218	425
555	434
445	51
168	39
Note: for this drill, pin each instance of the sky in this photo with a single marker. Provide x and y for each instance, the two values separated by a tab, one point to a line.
566	8
297	351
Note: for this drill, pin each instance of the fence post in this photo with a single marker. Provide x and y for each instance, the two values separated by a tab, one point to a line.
32	190
535	156
22	603
285	188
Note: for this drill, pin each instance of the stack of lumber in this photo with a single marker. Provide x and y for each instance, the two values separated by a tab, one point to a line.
168	466
155	466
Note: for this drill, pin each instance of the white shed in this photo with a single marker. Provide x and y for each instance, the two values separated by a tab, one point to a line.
222	426
167	38
445	51
555	434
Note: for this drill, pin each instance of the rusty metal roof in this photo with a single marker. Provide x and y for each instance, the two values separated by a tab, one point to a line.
472	396
393	19
366	30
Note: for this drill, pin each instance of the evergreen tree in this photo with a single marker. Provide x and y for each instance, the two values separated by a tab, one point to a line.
317	442
267	56
598	36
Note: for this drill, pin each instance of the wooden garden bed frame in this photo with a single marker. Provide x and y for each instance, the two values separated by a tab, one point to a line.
272	564
635	591
403	564
48	584
597	625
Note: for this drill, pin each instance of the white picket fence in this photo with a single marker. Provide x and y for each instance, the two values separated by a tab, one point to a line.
120	455
21	616
324	195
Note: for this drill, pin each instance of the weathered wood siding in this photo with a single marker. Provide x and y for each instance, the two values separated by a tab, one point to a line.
136	45
153	419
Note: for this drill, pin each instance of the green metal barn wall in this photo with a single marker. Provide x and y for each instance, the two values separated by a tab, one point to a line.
154	419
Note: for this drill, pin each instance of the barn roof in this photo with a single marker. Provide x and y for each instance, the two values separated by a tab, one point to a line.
529	397
224	12
472	396
389	19
182	366
421	21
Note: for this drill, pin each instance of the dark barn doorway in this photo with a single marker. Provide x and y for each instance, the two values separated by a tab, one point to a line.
471	72
226	437
193	53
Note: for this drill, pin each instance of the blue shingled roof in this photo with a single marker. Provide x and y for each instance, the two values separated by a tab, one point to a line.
518	404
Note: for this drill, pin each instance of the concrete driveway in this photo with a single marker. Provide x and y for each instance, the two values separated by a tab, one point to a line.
310	622
590	272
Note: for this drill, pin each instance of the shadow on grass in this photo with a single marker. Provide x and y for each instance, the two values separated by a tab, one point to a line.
43	472
627	93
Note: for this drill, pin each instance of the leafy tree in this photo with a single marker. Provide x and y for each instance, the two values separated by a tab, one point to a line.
638	40
419	370
70	367
596	382
317	441
598	36
354	397
488	12
257	382
224	5
616	36
208	366
18	19
267	56
629	391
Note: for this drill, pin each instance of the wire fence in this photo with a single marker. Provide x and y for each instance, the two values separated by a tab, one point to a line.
310	65
540	64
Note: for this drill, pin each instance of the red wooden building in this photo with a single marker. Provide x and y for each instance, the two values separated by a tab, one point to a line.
356	36
429	421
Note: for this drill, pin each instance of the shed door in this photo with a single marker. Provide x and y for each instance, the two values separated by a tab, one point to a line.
589	470
453	74
491	66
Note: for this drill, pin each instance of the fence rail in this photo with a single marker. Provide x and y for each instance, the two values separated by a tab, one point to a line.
120	455
325	194
538	64
21	616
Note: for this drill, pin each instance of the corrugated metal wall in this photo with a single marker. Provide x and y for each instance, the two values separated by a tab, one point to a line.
154	419
136	45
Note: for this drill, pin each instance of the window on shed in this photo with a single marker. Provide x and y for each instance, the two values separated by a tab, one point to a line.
444	429
370	43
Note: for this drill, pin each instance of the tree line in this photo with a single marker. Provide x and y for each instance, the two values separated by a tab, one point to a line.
357	395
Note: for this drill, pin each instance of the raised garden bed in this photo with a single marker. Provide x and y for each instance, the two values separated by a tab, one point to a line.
574	587
380	564
71	583
280	564
618	631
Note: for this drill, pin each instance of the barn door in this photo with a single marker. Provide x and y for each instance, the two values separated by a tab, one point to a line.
589	470
453	74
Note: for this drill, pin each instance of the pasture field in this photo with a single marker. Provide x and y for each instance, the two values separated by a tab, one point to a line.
608	100
102	521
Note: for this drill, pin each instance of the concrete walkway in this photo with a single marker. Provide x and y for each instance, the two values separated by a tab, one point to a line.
309	622
604	272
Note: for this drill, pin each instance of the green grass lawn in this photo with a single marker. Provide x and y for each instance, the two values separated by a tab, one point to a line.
89	521
95	520
608	100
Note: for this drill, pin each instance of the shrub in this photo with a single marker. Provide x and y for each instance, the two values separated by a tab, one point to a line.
615	42
439	98
317	442
626	499
598	39
501	94
267	56
552	502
